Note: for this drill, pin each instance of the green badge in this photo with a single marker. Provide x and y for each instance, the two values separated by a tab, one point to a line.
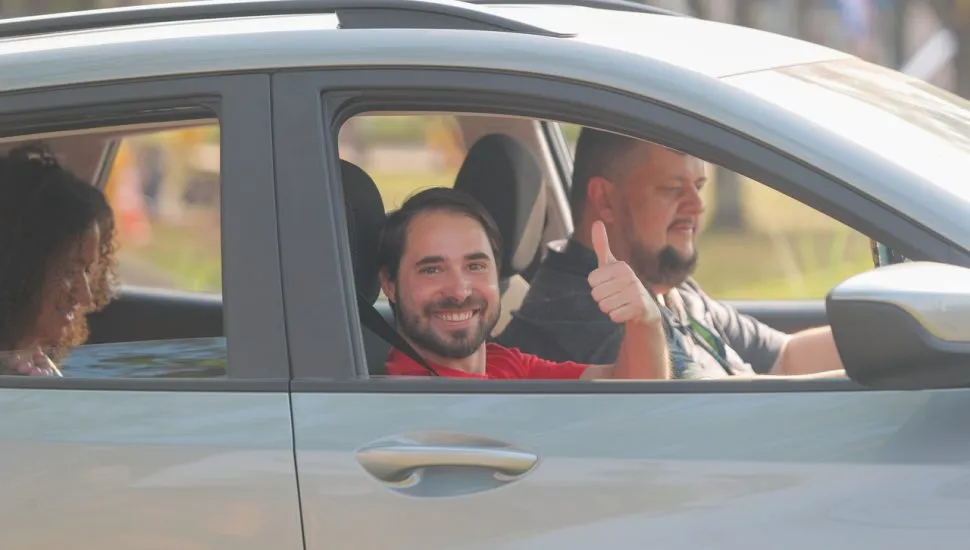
713	342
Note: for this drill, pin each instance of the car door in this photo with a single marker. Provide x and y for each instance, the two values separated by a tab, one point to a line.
162	441
443	463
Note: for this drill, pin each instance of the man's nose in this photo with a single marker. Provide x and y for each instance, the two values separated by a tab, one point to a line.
457	287
693	203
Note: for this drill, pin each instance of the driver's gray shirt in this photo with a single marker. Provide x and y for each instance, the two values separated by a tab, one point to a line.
559	320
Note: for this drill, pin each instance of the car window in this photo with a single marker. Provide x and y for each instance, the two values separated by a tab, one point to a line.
404	153
758	244
774	247
164	188
714	340
166	321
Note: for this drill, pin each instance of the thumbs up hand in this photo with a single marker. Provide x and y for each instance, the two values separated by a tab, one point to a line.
616	288
601	245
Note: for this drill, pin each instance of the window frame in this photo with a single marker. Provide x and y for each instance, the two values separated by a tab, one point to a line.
254	324
313	104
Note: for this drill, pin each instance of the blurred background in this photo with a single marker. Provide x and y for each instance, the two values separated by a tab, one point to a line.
755	243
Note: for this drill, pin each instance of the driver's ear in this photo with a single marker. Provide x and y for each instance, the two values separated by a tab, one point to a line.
388	286
601	195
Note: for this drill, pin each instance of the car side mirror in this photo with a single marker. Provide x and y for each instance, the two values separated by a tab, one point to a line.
904	326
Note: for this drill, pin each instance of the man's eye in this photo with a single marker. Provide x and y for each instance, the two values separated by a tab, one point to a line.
478	266
429	270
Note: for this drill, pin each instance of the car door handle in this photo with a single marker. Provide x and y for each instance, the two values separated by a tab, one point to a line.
397	463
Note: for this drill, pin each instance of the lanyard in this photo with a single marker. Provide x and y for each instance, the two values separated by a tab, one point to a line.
710	342
709	338
699	334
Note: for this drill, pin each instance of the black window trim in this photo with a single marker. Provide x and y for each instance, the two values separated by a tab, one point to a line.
252	289
334	95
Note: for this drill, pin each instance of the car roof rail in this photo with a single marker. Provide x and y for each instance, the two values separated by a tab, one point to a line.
353	14
619	5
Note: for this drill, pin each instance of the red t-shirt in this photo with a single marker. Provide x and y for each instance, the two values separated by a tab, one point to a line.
500	363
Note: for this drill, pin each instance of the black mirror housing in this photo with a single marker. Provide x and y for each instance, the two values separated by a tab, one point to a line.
904	326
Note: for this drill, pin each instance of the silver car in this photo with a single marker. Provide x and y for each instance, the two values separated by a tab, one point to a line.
254	416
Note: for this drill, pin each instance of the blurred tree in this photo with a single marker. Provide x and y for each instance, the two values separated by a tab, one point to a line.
955	15
803	19
900	9
699	8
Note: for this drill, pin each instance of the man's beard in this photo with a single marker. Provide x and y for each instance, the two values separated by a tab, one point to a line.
416	327
666	268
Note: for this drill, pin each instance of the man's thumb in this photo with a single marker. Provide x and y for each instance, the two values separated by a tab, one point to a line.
601	244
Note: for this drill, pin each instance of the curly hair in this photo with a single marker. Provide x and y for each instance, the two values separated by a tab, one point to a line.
44	211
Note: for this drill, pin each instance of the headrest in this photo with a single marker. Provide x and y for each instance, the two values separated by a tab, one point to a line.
365	221
502	175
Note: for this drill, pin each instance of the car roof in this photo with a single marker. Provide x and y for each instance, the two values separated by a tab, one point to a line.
705	47
708	47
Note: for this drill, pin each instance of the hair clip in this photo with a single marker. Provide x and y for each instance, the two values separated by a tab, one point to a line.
35	152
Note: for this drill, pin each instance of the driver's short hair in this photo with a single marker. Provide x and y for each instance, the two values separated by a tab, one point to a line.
436	199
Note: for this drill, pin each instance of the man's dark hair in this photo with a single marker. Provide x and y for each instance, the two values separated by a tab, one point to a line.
436	199
44	210
598	153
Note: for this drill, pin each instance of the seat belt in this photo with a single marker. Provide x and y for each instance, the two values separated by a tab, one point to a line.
373	320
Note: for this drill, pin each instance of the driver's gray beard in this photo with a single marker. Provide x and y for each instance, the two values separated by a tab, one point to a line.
464	343
667	268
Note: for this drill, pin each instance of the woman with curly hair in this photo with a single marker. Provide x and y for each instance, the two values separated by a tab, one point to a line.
56	260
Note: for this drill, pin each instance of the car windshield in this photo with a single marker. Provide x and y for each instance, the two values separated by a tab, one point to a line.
908	122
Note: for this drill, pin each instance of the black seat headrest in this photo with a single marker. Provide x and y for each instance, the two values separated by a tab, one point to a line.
503	175
365	221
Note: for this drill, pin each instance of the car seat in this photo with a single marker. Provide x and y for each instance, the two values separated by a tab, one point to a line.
365	219
506	179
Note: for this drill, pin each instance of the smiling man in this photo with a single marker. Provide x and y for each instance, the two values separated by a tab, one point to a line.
648	197
438	269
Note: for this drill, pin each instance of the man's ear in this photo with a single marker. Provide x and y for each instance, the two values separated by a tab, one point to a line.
387	285
601	195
